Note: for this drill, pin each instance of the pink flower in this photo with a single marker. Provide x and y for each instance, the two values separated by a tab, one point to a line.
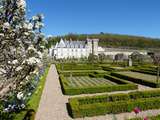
137	110
145	118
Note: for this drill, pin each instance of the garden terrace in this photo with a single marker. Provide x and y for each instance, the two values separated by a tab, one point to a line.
94	83
113	104
141	78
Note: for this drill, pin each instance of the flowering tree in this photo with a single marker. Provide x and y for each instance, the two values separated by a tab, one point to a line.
21	43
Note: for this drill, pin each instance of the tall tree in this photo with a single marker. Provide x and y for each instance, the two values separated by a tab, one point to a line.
21	42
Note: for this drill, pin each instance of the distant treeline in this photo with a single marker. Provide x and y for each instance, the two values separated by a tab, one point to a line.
112	40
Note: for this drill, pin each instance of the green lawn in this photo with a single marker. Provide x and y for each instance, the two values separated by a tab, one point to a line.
35	99
139	75
86	81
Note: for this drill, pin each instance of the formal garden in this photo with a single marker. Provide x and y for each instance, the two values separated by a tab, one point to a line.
95	78
94	86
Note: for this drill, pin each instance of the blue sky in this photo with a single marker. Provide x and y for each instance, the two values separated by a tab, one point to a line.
133	17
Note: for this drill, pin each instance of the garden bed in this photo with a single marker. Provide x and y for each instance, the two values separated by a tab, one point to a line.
140	78
113	104
73	85
74	66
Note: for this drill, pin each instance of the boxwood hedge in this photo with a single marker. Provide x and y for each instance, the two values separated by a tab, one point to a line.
136	80
68	90
116	103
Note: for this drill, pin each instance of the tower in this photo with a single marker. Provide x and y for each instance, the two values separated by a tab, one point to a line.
95	46
89	45
92	46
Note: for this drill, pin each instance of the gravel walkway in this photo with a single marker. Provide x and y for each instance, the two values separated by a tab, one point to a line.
53	102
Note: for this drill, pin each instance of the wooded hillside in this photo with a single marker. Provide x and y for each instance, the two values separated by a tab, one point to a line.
112	40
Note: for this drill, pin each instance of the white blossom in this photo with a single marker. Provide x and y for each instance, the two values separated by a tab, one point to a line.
42	47
14	61
25	25
1	6
39	25
19	68
30	26
40	54
1	34
21	4
35	18
6	25
29	94
20	96
35	72
23	106
31	47
33	60
6	110
26	33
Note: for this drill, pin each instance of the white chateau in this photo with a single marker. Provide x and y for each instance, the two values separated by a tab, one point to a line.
74	49
81	49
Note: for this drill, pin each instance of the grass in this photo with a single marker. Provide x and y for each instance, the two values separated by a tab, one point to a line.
86	81
33	103
138	75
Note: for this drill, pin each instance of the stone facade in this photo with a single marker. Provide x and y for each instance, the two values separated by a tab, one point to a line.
81	49
74	49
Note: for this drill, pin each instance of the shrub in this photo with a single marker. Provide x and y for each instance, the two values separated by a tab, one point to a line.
118	103
116	80
78	66
68	90
136	80
144	71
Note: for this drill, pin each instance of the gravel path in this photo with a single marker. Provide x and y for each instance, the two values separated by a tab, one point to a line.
53	102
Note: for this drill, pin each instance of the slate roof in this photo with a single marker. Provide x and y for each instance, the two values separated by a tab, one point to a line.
70	44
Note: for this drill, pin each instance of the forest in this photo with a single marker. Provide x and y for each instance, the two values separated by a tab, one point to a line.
112	40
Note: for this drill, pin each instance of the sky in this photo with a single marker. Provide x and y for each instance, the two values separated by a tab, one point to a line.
132	17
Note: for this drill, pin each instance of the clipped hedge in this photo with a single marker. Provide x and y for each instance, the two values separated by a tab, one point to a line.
97	89
116	103
112	107
86	73
119	97
144	71
136	80
78	66
67	90
117	80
